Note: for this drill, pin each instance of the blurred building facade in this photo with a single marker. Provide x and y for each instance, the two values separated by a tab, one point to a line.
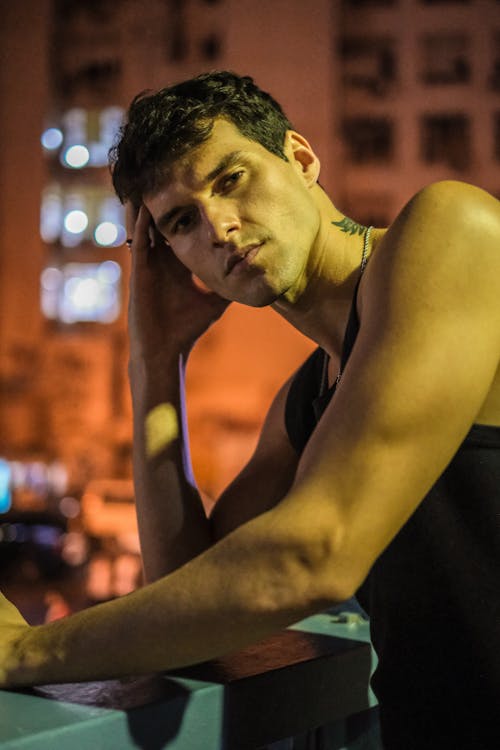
393	94
420	99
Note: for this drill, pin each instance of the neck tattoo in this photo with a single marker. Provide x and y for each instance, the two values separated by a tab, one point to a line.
349	226
352	227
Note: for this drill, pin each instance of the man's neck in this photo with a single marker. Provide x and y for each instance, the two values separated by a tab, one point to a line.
319	303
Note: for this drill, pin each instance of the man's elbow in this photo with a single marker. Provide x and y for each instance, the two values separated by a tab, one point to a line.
317	568
334	575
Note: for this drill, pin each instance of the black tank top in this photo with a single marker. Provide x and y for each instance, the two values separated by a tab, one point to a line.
434	594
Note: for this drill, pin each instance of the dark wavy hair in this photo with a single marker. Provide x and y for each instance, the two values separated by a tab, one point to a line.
162	127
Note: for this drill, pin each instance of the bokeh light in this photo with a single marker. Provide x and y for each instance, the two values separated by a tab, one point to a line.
51	138
76	156
106	233
76	221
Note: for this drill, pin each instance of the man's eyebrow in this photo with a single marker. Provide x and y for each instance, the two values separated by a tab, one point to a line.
227	161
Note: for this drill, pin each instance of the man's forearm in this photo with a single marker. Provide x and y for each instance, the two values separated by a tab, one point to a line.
252	583
173	527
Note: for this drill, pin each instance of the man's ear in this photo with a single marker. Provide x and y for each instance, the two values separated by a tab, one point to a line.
299	152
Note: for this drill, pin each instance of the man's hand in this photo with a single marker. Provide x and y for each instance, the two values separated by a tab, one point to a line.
12	627
168	311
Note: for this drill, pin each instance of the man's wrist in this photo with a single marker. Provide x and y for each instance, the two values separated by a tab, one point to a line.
155	381
142	362
163	367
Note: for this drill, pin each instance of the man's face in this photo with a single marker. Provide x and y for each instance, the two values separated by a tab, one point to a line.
240	218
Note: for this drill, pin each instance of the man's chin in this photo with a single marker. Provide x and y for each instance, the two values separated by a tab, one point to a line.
264	299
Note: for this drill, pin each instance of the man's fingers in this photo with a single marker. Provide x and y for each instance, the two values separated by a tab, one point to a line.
150	250
131	212
141	236
139	226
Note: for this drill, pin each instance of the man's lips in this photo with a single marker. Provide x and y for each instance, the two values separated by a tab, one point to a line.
237	256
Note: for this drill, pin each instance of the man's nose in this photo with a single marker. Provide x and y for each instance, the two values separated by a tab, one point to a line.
222	223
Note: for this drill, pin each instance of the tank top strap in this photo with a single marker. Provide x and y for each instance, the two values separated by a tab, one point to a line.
309	393
350	335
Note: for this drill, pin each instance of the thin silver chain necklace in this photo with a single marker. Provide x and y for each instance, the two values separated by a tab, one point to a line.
366	247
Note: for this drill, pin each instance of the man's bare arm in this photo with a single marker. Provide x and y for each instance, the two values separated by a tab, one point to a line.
162	329
257	580
425	367
167	314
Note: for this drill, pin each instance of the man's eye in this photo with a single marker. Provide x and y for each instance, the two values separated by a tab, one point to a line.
231	179
182	223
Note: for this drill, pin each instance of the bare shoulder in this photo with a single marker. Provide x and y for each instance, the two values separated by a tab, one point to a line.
459	208
455	201
445	243
430	302
449	191
450	214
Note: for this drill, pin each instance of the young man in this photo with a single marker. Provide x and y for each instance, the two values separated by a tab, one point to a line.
392	482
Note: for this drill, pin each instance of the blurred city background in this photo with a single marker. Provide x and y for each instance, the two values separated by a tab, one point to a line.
393	94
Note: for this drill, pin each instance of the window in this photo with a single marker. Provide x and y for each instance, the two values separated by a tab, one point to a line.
446	139
83	137
211	47
101	77
82	214
76	292
495	64
368	139
177	36
96	10
444	59
369	64
368	3
496	135
442	2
